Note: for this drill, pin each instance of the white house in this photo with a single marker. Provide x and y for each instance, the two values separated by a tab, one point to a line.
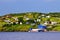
38	20
45	23
27	18
47	16
53	23
43	15
7	21
20	22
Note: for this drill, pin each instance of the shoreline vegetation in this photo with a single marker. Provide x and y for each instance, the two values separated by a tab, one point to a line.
22	22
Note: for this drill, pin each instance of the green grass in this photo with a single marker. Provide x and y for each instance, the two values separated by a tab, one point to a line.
25	27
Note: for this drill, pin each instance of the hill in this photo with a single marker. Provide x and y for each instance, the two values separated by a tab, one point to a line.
24	21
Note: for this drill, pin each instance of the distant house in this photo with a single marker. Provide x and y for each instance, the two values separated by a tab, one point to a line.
16	22
38	20
48	16
15	18
7	20
45	23
27	18
29	21
21	23
42	15
53	23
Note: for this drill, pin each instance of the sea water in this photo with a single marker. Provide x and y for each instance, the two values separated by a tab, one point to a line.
29	35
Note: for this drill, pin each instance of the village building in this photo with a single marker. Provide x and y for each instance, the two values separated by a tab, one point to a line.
8	21
38	20
15	18
27	18
53	23
47	16
21	23
45	23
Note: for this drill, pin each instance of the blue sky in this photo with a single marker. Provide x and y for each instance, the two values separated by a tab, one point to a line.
18	6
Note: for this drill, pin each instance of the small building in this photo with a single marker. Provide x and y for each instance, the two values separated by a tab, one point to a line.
38	20
8	21
47	16
53	23
15	18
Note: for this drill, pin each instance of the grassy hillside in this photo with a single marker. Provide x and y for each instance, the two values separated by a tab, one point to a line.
24	21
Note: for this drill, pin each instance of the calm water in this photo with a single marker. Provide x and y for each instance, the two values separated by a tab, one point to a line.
30	36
